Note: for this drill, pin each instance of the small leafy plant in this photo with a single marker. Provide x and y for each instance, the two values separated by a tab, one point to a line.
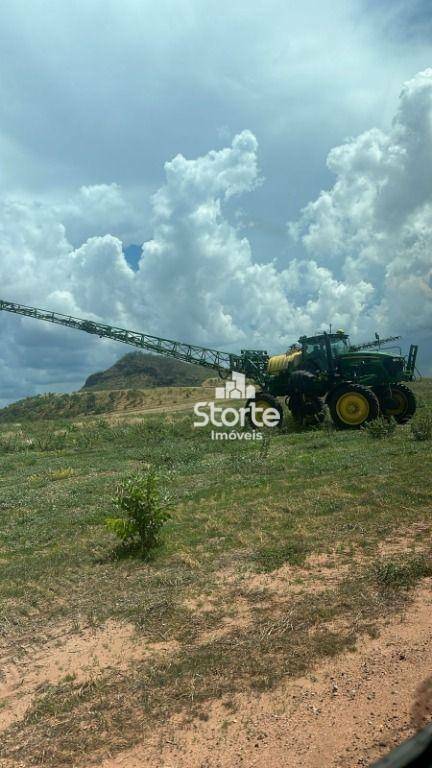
421	427
143	512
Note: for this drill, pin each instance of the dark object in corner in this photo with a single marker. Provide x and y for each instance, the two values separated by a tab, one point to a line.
414	753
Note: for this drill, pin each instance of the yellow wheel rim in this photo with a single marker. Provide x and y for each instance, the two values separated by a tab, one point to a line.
353	408
401	404
266	407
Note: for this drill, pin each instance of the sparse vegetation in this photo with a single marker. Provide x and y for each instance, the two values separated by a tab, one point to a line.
281	513
62	473
421	426
89	403
270	558
381	428
404	572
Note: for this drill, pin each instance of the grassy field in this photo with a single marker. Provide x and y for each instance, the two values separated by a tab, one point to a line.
278	552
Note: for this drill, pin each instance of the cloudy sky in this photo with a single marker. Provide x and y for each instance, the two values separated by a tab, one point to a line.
231	176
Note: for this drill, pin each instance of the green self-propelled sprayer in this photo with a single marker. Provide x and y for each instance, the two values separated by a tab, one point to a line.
357	382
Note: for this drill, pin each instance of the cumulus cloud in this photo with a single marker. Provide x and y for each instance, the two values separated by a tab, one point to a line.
97	209
374	224
364	263
200	276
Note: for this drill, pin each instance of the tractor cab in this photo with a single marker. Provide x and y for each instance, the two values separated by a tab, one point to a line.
315	349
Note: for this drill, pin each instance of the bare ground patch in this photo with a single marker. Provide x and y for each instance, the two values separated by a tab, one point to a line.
347	712
108	688
67	655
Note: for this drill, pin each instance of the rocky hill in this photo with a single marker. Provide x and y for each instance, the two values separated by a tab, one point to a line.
137	370
135	381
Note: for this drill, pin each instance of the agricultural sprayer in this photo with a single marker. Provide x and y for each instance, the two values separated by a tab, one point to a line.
357	382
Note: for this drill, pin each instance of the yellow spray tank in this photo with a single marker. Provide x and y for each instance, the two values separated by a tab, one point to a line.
289	360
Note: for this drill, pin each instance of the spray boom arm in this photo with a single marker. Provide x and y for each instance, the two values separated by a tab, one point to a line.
222	362
372	344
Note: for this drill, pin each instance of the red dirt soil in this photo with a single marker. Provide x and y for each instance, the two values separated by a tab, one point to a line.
351	710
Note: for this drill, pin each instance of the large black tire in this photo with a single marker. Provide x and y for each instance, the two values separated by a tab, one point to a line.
352	406
405	404
263	399
306	410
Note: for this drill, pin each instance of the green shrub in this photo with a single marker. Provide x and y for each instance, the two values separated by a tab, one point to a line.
15	443
381	428
49	440
404	572
421	426
90	402
143	512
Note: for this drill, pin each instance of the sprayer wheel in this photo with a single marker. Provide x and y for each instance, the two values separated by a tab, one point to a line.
352	406
404	406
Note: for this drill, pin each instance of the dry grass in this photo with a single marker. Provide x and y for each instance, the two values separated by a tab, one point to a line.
273	559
